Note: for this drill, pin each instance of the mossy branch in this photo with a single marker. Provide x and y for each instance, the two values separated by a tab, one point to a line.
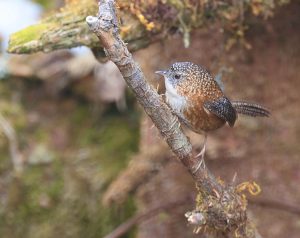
220	208
67	29
143	23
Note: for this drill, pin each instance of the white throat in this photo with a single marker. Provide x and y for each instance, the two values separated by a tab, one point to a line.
176	101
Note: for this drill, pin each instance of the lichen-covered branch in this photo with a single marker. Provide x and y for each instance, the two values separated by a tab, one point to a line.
221	208
143	21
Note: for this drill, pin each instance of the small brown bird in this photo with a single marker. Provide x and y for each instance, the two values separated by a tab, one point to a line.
199	102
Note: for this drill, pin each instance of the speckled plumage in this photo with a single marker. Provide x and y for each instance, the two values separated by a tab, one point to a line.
197	99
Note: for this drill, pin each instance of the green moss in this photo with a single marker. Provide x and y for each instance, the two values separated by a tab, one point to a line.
40	181
38	193
117	143
110	139
45	3
29	34
63	197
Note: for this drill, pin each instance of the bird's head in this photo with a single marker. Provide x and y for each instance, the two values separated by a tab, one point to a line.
177	73
183	74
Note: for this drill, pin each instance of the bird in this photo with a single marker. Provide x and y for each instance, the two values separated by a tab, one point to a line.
198	100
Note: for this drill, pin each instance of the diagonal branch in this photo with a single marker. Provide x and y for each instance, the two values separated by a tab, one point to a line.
144	216
220	206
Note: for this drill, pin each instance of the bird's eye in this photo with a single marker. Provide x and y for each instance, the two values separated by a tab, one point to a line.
177	76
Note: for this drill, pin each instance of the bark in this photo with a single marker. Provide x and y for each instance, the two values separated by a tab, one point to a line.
220	208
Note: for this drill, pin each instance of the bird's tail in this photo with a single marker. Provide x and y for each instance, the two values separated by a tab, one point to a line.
250	109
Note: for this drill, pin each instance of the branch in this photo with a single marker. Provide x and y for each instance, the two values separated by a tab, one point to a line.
139	218
277	205
144	22
142	217
222	209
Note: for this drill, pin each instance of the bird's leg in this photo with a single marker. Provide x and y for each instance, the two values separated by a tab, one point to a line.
201	154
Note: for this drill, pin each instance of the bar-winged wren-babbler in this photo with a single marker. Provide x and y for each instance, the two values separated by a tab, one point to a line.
199	102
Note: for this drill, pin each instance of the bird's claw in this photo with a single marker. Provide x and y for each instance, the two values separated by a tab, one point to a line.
202	152
201	164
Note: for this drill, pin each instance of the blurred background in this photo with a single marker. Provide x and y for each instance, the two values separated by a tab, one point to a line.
78	156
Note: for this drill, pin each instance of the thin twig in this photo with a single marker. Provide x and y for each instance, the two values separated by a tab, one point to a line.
272	204
144	216
214	209
16	156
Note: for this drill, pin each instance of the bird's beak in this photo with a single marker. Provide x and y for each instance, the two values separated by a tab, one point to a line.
162	72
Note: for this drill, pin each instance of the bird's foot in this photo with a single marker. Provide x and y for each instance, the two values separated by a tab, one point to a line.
199	165
201	154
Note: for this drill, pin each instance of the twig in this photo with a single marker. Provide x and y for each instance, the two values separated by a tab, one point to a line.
272	204
221	207
16	156
144	216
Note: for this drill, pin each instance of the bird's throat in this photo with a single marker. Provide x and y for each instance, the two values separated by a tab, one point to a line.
175	100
